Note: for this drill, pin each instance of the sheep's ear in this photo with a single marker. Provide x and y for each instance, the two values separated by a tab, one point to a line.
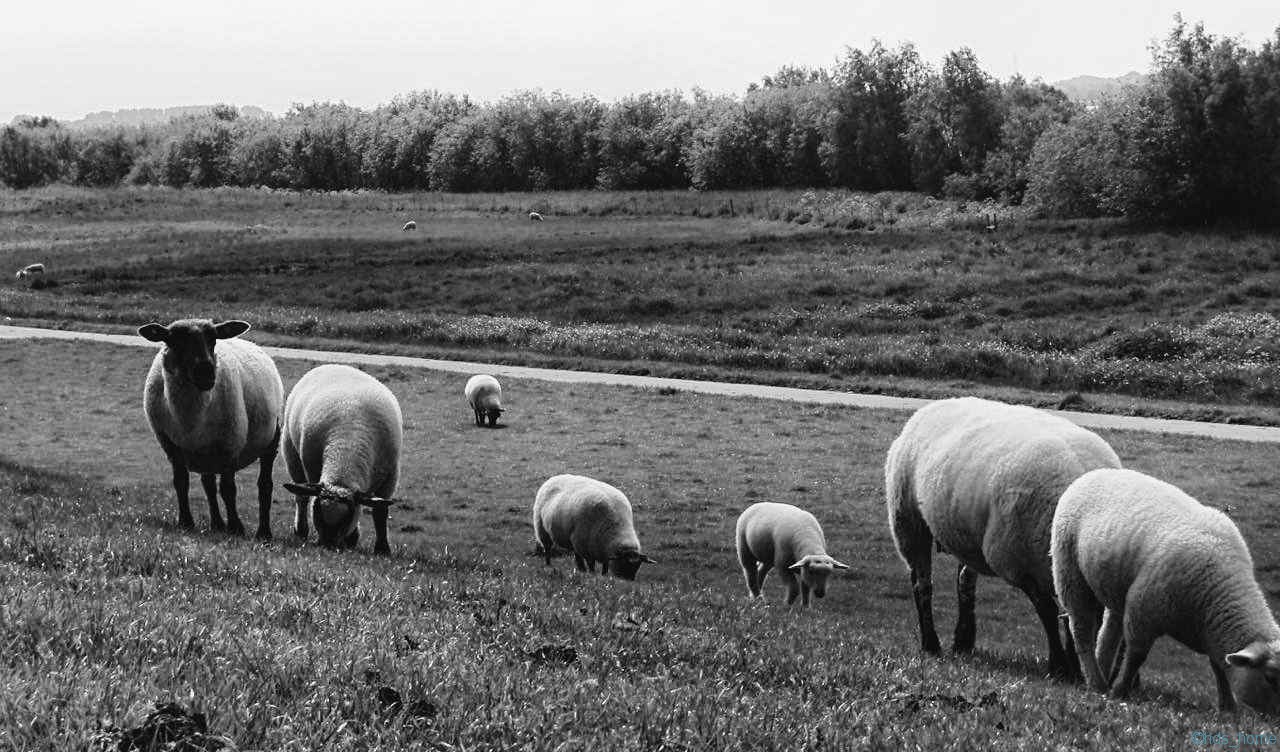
798	565
303	489
229	329
154	332
838	565
1253	656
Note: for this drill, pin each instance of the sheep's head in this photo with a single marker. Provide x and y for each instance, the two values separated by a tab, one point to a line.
335	511
1256	676
493	413
627	563
189	345
814	570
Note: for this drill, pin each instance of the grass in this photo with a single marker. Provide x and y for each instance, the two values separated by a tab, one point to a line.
109	609
891	293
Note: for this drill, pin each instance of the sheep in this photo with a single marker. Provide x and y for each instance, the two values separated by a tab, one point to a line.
591	519
30	270
410	225
535	217
484	394
1138	558
770	535
982	478
342	435
214	404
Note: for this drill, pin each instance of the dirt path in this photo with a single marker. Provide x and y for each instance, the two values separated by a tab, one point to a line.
813	396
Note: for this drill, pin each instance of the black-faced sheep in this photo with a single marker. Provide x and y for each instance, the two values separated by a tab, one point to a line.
1137	558
214	404
342	436
592	520
484	394
769	534
980	480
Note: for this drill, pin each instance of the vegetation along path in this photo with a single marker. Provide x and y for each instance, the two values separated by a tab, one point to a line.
814	396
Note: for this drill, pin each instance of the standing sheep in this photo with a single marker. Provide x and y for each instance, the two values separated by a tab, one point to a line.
484	394
1161	563
30	270
535	217
214	403
771	535
342	435
410	225
981	480
591	519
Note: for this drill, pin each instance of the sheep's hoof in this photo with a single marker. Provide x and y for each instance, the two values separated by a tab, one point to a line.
264	534
382	549
186	523
235	527
217	526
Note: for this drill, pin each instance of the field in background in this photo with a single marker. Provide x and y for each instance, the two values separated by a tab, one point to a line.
108	608
892	292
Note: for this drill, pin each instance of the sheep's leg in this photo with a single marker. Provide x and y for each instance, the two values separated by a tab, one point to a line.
228	488
380	545
922	589
181	484
804	594
1226	698
966	621
265	464
210	483
1136	646
300	525
765	567
580	563
352	538
915	546
793	587
1061	665
1109	650
750	571
479	416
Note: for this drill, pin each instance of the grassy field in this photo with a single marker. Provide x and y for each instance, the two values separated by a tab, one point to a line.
891	293
108	608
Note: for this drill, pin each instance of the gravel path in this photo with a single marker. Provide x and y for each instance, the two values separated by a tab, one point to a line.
812	396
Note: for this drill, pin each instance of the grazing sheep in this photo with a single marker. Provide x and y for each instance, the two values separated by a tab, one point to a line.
1138	558
30	270
591	519
981	479
410	225
484	394
535	217
214	404
342	435
771	535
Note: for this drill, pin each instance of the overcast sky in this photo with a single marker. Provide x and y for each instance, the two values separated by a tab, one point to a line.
66	59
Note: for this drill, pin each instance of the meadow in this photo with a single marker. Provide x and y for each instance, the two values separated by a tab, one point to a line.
894	292
464	640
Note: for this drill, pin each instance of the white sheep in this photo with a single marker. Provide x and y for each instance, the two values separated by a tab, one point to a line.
981	480
214	404
410	225
30	270
342	435
484	394
592	520
1138	558
771	535
535	217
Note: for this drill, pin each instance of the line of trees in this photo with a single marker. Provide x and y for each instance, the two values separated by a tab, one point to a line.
1199	141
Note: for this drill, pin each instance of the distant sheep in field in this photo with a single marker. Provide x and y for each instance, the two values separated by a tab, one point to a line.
592	520
30	270
771	535
214	404
342	436
1138	558
980	479
484	394
535	217
410	225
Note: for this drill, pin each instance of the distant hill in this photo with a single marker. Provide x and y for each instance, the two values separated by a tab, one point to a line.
152	116
1094	88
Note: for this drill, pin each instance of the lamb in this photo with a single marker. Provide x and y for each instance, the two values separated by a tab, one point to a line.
342	435
1139	558
30	270
410	225
484	394
981	479
535	217
214	404
770	535
591	519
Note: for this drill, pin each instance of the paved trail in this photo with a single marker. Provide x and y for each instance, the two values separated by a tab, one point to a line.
813	396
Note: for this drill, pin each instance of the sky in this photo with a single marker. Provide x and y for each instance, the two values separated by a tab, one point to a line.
68	58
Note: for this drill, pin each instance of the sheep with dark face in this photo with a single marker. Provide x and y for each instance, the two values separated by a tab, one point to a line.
769	534
342	436
484	394
30	270
591	519
214	404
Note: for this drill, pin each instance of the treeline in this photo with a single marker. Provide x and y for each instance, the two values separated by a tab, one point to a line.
1200	141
